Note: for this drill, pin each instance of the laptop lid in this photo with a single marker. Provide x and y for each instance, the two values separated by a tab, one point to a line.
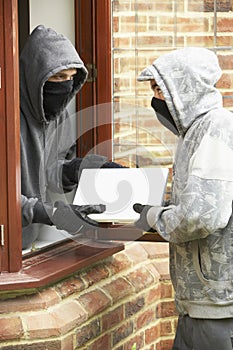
119	189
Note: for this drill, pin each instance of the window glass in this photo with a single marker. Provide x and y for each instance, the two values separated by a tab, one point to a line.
141	32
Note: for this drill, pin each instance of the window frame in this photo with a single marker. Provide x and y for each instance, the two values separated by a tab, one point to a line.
10	135
64	258
96	53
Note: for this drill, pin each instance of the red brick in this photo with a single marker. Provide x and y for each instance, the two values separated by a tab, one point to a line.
165	309
94	302
226	61
165	344
145	318
95	274
224	25
155	41
112	318
70	286
42	325
140	278
67	343
153	295
163	269
156	249
136	252
34	302
119	262
154	272
87	333
226	81
224	40
134	306
165	328
118	289
122	332
138	340
227	99
69	315
11	328
200	40
221	5
152	334
166	290
103	343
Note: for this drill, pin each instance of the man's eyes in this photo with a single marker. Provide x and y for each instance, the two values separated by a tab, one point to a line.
63	77
59	77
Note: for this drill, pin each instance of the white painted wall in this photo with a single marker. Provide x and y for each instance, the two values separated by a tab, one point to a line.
58	15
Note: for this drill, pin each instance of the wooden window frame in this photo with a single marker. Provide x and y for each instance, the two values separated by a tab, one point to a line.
94	47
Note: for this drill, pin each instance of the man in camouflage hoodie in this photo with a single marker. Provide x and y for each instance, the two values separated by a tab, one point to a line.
198	221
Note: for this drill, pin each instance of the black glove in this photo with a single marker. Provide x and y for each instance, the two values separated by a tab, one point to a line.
72	170
73	218
142	221
42	213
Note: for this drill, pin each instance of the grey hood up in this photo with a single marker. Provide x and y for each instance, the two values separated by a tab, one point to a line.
198	222
45	145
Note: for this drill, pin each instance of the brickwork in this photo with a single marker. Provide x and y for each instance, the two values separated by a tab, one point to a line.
123	300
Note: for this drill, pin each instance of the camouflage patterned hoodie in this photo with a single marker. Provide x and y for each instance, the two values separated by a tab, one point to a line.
198	222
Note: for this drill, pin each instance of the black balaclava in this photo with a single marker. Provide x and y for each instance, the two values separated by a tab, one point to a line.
163	114
55	95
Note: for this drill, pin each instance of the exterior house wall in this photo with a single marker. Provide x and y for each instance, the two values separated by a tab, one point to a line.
123	302
126	301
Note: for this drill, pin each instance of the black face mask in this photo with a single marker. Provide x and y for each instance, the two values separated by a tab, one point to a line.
163	114
55	96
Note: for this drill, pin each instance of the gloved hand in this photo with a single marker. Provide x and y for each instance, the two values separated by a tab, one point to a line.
42	213
142	221
73	218
72	170
68	217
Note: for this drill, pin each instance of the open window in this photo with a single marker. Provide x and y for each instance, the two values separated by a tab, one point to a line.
53	263
116	39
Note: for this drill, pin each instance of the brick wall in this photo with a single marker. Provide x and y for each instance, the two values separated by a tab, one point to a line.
119	302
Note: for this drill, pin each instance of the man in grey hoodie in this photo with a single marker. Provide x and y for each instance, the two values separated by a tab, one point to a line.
51	73
198	222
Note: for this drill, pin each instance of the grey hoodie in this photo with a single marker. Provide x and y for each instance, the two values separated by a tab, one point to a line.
198	222
45	145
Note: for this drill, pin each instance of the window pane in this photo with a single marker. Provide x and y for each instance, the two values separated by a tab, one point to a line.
142	31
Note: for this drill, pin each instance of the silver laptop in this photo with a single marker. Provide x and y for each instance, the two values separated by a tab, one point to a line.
119	189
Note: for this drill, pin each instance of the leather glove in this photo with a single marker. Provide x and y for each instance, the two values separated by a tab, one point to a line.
142	221
74	218
72	170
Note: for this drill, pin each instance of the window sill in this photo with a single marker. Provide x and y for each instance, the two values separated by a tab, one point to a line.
55	263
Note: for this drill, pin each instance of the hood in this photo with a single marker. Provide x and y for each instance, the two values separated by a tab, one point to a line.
46	53
187	78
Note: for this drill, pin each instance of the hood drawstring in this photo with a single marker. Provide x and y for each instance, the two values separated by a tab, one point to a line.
45	185
46	156
57	159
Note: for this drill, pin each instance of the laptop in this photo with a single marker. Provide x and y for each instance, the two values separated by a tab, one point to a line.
119	189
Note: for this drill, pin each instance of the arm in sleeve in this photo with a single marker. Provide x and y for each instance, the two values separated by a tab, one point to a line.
205	204
27	209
